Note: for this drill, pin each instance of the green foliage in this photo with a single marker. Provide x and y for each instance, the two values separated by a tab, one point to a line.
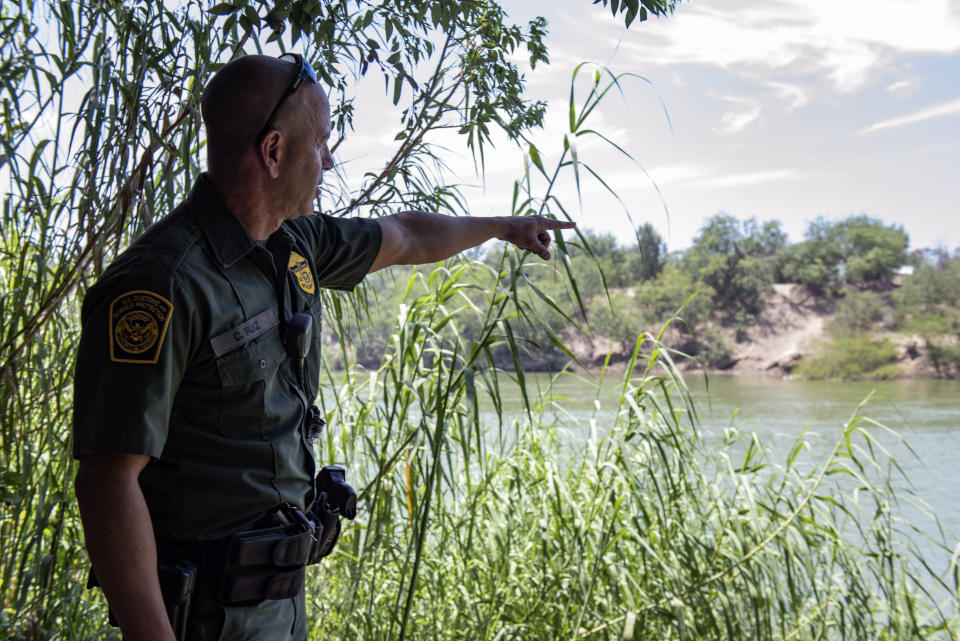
804	263
713	349
675	292
928	303
734	259
532	530
853	357
945	353
858	312
929	298
620	299
648	262
857	249
873	250
633	9
597	261
600	262
617	317
852	352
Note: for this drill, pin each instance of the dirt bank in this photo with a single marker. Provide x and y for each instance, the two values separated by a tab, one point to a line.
793	323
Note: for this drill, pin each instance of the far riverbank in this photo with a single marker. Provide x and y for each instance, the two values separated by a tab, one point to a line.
794	325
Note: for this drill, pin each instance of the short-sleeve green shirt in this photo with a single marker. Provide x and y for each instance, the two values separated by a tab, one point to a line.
181	359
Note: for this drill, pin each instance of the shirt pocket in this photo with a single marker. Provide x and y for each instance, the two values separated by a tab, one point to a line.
242	372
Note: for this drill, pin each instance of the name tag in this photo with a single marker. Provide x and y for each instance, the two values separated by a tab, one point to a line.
243	334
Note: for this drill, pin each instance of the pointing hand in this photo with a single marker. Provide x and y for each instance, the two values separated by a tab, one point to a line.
532	232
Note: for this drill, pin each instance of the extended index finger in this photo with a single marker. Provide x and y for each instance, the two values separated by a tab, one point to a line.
550	223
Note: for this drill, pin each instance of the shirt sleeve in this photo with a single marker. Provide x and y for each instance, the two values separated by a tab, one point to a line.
132	355
343	248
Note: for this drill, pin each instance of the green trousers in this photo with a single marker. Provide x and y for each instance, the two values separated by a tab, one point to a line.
280	620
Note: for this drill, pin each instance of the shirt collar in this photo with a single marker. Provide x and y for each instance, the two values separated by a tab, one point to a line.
226	235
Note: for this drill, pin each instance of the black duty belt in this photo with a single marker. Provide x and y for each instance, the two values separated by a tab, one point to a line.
258	564
250	566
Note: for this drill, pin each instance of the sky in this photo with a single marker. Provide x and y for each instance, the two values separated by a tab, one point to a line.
782	109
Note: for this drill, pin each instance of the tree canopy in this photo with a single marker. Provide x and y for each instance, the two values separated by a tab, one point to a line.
857	249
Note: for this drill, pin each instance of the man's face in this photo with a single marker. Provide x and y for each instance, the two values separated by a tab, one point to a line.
308	155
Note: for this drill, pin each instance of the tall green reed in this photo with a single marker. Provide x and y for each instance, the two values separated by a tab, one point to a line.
90	101
510	527
478	523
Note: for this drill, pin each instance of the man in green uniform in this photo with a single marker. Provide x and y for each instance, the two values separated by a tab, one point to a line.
193	397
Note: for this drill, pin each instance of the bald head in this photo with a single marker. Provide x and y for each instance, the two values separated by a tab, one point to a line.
237	102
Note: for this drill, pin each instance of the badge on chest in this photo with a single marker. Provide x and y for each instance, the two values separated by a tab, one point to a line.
301	269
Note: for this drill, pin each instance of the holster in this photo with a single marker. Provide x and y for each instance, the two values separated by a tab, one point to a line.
269	563
327	530
178	581
253	565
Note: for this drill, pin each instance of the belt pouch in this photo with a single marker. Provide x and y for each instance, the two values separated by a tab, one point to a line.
265	564
254	584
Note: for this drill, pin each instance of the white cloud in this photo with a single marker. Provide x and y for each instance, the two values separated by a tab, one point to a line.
734	121
933	111
850	42
898	87
794	95
696	175
678	173
750	178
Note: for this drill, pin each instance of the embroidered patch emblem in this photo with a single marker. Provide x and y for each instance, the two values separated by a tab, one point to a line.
138	325
298	265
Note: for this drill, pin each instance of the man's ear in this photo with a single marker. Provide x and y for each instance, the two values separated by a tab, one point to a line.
270	151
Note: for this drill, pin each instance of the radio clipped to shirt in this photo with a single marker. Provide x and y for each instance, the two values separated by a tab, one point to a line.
297	336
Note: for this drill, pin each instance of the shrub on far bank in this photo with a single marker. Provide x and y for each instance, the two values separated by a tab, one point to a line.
849	357
858	312
928	300
945	355
715	350
617	317
661	298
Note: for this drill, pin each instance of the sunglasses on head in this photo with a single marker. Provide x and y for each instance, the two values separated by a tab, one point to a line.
304	72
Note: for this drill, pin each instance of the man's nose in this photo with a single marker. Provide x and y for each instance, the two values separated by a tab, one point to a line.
327	160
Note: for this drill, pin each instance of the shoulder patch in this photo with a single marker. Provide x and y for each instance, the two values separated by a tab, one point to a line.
138	325
301	269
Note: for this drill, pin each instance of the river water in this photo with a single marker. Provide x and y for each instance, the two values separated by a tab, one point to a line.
921	417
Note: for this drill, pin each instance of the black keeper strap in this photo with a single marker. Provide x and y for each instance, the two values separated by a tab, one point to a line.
276	546
294	550
285	584
252	586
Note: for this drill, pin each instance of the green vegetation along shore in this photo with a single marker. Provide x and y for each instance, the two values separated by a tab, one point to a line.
850	301
472	524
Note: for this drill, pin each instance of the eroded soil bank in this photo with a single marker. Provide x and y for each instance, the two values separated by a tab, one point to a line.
794	323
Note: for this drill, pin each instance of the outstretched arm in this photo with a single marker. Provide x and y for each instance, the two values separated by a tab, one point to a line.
417	237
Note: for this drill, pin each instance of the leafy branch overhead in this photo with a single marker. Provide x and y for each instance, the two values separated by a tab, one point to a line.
633	9
421	46
124	152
